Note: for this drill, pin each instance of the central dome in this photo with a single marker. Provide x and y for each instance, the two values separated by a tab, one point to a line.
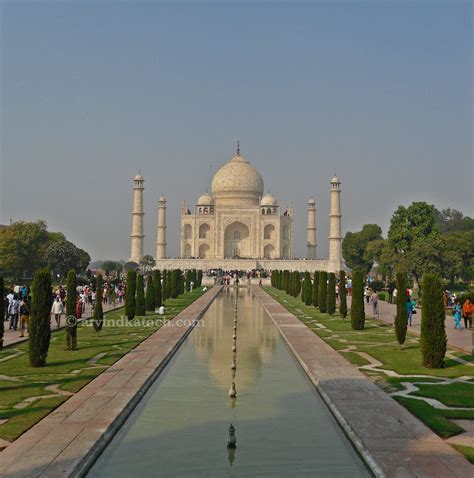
237	180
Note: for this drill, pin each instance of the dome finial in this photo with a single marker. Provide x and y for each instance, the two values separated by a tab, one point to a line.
238	148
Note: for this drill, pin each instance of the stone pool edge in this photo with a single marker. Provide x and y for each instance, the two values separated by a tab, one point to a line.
390	440
68	441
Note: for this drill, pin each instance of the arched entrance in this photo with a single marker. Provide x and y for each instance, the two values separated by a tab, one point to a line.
187	251
268	251
203	251
237	240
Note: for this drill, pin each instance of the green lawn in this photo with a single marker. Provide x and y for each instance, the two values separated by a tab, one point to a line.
70	370
378	341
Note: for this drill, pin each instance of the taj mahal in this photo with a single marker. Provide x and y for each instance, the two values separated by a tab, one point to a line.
237	226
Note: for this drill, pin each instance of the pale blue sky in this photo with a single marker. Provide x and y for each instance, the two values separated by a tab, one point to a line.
379	92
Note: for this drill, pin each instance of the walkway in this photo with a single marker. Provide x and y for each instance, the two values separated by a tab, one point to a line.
12	337
392	441
457	339
68	440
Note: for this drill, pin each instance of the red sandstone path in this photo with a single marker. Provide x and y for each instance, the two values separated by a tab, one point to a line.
458	339
13	336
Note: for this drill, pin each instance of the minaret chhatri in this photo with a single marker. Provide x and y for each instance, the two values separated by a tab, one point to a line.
161	229
335	246
137	235
311	229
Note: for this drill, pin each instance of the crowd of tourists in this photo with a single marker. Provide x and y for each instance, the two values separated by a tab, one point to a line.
18	299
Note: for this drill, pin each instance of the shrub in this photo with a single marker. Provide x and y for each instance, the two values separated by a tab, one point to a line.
323	289
382	296
433	334
140	308
157	285
401	318
357	307
39	329
71	326
342	294
150	294
98	318
2	309
316	289
331	294
130	302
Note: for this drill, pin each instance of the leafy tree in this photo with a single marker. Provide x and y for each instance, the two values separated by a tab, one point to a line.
452	220
357	307
71	326
331	294
2	308
22	247
147	263
130	301
323	289
379	251
458	255
150	294
98	317
39	326
342	294
316	289
157	284
354	247
61	256
131	266
401	318
111	266
414	234
433	334
140	308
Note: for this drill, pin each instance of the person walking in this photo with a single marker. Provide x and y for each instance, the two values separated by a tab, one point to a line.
409	308
57	310
13	309
457	313
374	299
24	316
367	294
467	309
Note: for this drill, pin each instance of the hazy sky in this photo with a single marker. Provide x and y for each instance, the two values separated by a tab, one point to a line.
91	92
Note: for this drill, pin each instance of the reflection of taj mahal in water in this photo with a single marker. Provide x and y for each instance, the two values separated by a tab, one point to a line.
236	226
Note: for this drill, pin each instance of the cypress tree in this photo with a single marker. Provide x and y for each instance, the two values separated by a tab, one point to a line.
401	318
316	289
189	275
433	334
2	309
140	308
71	325
157	285
342	294
164	287
331	294
199	278
98	318
173	284
308	295
297	289
169	284
181	284
323	289
150	294
39	328
357	307
131	287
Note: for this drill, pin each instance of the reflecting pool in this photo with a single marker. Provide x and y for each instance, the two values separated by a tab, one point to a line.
282	426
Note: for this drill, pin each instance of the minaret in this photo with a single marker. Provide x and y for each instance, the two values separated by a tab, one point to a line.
161	229
311	229
137	220
335	247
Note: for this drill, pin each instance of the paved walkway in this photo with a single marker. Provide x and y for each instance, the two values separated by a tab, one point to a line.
458	339
392	441
68	440
12	337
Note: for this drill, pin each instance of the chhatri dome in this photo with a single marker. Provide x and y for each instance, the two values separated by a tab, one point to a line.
268	200
237	183
205	200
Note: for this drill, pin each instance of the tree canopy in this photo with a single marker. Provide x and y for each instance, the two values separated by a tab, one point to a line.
354	247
